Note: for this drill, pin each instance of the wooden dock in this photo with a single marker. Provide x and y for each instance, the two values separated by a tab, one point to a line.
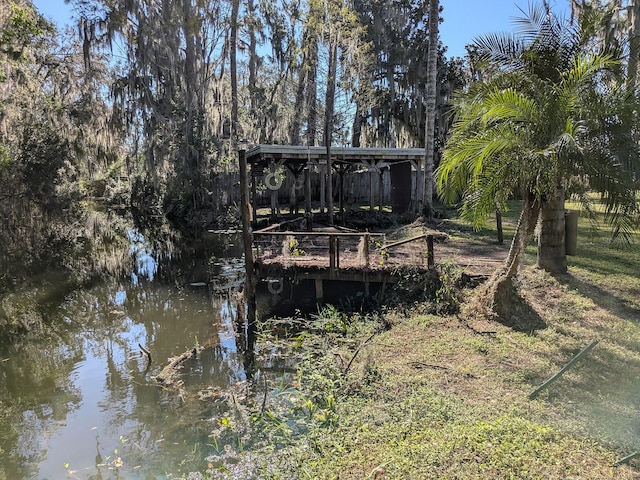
336	254
297	250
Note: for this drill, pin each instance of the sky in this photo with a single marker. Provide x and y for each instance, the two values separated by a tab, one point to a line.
463	19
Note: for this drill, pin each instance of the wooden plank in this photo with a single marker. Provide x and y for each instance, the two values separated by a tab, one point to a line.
346	153
402	242
318	234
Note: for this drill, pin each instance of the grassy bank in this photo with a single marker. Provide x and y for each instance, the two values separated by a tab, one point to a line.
410	394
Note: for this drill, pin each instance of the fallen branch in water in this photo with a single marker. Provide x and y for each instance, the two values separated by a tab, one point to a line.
147	353
169	373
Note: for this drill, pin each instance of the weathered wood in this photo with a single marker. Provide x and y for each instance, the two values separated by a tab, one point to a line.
380	191
247	237
272	228
402	242
431	261
169	374
351	154
365	249
332	256
560	372
371	192
318	234
307	188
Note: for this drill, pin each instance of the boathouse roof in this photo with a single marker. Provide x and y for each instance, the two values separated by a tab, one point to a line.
263	154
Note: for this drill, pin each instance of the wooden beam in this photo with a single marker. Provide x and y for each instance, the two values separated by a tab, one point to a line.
319	234
402	242
249	284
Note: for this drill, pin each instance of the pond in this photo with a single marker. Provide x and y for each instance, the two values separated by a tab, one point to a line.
84	404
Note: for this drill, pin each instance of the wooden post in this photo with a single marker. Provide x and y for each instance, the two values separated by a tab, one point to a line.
293	198
247	237
329	184
371	192
380	190
430	255
254	209
323	186
332	257
319	292
307	188
560	372
499	226
365	249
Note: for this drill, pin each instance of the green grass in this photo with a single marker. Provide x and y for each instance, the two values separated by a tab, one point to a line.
446	397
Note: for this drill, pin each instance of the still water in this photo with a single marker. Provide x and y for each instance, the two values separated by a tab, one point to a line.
84	404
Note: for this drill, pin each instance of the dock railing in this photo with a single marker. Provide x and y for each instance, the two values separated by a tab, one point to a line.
333	250
339	250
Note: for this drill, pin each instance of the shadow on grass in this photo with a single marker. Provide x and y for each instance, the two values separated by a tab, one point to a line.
521	317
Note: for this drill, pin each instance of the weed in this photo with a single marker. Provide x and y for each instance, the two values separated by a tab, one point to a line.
448	293
294	248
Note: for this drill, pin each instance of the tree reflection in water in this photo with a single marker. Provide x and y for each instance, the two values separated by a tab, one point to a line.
84	399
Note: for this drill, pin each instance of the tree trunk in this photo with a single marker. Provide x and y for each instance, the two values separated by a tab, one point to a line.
634	46
499	294
253	64
432	84
328	121
312	87
233	43
298	113
551	248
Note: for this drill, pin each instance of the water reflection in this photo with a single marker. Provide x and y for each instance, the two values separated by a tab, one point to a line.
84	404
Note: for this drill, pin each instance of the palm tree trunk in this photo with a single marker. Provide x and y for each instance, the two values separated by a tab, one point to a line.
551	248
634	46
524	230
497	296
432	82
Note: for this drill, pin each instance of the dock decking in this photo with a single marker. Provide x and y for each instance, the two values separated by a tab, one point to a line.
340	254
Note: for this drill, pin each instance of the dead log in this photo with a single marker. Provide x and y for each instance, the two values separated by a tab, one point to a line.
169	374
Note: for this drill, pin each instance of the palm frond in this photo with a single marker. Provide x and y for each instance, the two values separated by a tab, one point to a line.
508	105
501	49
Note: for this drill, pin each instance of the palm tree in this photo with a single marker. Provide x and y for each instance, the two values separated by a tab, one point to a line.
550	115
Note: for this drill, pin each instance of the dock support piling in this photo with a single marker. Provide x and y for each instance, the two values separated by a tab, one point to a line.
319	291
247	237
430	255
